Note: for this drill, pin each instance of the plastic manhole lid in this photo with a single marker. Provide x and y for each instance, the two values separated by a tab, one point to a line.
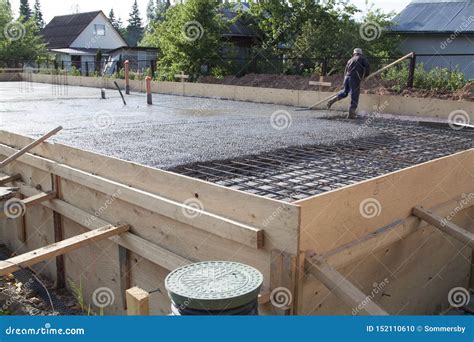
214	285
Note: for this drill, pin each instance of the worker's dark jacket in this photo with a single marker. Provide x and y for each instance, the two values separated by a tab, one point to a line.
357	68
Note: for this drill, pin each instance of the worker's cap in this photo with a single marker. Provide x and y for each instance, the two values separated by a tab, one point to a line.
357	51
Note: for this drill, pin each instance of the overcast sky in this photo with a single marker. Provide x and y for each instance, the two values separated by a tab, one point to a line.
52	8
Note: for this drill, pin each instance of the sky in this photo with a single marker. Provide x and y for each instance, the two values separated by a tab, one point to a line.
122	8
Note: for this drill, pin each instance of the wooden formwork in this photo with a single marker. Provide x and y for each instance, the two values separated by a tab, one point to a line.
301	248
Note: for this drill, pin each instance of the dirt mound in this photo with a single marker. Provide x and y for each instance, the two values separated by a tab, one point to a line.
373	86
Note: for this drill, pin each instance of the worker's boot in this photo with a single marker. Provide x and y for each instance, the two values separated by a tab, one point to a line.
332	101
352	113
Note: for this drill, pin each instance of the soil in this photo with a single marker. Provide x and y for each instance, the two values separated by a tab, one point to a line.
20	298
373	86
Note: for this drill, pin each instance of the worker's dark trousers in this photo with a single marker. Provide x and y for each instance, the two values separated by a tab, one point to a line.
351	85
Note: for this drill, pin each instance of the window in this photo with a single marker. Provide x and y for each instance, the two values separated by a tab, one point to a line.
99	30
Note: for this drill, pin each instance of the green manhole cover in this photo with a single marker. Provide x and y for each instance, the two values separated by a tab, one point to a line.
214	285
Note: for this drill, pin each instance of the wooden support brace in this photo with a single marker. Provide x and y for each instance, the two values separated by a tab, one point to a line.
9	179
132	242
124	269
138	302
59	248
283	282
445	225
29	147
30	202
341	286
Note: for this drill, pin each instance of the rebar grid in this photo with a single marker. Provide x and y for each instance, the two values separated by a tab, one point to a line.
300	172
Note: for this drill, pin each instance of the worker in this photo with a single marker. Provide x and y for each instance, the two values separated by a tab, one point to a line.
357	69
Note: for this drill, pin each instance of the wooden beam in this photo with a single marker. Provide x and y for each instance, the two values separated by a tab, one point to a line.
32	201
28	147
341	286
319	83
206	221
58	236
124	270
148	250
284	276
138	302
9	179
34	257
445	225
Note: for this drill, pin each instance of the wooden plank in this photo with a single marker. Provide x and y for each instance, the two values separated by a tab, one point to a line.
132	242
283	277
211	223
124	269
9	179
31	201
445	225
341	286
252	210
28	147
319	83
65	246
138	302
58	236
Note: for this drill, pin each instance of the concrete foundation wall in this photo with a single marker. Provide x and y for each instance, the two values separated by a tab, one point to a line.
369	103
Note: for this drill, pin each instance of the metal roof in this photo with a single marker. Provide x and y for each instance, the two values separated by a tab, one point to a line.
436	16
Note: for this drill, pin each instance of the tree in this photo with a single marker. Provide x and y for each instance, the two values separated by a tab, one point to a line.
150	11
38	15
135	26
117	23
160	9
25	10
19	42
189	37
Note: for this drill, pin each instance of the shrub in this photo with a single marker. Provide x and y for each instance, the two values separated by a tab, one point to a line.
439	79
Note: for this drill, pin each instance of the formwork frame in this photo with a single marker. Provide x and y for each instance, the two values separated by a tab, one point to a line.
168	231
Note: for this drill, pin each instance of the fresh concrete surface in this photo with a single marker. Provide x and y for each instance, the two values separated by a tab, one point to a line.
175	130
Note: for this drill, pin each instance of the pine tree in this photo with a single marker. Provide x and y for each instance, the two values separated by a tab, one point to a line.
150	11
135	26
117	23
25	10
38	15
160	9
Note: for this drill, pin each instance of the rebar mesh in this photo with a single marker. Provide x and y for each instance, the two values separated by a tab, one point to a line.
300	172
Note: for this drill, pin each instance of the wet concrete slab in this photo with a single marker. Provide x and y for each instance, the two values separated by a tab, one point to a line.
175	130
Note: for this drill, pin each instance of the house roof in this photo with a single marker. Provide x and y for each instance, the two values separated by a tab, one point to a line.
63	30
239	28
436	16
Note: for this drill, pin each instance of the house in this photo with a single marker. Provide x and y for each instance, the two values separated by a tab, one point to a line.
76	38
441	33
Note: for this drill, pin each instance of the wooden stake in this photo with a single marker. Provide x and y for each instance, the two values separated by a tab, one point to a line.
59	248
138	302
29	147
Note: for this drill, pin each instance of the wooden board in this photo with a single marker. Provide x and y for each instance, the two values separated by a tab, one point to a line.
409	253
59	248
